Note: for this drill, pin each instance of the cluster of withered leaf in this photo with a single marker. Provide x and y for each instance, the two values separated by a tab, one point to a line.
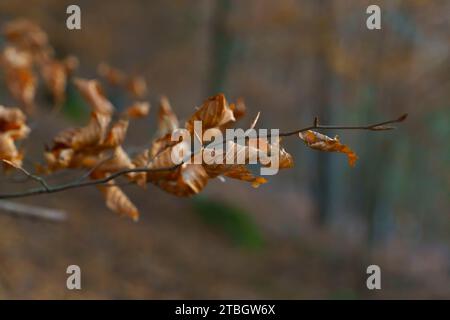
12	128
26	48
27	54
190	178
97	148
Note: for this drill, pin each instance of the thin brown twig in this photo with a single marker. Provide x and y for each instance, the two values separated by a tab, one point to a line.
79	183
40	180
95	167
381	126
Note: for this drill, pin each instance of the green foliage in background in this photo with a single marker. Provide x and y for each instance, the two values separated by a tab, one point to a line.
235	222
75	108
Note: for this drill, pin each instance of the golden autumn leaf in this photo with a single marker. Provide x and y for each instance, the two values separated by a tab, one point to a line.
318	141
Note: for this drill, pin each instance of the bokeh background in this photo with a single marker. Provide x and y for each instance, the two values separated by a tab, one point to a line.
311	231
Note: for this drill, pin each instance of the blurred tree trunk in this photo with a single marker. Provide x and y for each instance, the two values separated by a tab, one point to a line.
322	84
221	46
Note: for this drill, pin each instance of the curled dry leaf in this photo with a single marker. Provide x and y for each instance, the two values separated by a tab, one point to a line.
93	93
322	142
167	120
215	112
112	75
15	58
55	78
137	110
135	85
8	150
55	74
12	128
21	83
238	108
189	179
117	201
12	121
25	34
117	133
118	161
141	160
79	138
234	171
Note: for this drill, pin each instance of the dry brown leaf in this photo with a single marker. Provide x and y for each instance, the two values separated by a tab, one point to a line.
21	83
137	110
161	161
238	108
318	141
12	120
215	112
92	92
141	160
234	171
167	120
116	134
118	201
54	74
112	75
189	179
15	58
137	86
80	138
118	161
8	150
25	34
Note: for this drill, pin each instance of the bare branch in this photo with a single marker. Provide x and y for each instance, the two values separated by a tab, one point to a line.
79	183
381	126
40	180
91	170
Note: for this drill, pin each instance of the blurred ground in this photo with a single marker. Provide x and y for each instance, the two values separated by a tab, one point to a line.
290	60
172	253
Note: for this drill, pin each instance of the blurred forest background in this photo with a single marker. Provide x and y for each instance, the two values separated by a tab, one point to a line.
311	231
